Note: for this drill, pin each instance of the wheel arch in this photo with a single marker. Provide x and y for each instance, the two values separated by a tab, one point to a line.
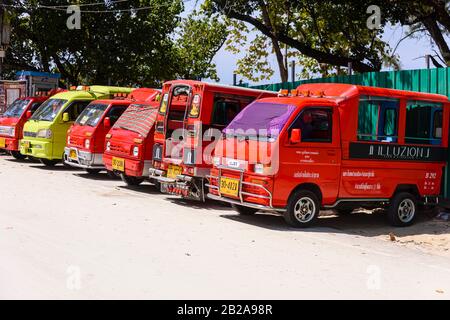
310	187
411	188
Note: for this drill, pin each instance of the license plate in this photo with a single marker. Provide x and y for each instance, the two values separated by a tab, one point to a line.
173	171
2	143
73	155
118	164
27	144
229	187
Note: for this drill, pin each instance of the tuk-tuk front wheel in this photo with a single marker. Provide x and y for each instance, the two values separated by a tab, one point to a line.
243	210
17	155
131	181
402	210
49	163
93	171
303	209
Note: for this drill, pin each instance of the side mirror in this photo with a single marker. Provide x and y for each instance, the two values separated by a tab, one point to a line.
107	122
29	114
296	136
66	117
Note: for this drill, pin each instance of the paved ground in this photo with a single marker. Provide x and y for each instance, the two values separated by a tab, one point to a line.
64	234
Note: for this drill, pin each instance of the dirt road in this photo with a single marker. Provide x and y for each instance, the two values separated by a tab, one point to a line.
64	234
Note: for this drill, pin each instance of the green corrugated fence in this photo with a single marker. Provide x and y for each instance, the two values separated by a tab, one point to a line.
423	80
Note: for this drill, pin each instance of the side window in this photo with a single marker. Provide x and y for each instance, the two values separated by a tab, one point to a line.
315	125
437	125
423	123
378	119
115	112
224	111
35	106
75	109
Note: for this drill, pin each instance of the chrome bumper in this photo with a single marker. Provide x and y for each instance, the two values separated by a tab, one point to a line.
85	160
267	194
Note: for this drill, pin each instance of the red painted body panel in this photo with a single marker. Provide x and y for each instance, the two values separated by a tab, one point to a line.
12	143
329	165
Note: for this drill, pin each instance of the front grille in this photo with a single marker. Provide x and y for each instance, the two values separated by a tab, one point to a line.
29	134
118	149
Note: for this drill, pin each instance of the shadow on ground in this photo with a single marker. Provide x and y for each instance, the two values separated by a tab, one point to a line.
208	205
369	224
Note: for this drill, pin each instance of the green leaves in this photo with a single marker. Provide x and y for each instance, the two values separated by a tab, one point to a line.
141	47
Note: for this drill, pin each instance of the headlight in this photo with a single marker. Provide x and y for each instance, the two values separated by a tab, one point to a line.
8	131
135	151
87	143
259	168
46	133
108	146
216	161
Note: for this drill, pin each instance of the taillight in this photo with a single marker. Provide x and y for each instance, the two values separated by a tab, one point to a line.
189	157
159	126
194	111
157	152
191	130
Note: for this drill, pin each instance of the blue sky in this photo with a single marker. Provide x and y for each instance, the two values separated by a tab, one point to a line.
411	52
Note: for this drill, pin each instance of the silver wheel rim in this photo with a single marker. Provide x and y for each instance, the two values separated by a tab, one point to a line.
406	210
304	210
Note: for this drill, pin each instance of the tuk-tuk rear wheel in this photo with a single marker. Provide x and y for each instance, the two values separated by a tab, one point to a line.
131	181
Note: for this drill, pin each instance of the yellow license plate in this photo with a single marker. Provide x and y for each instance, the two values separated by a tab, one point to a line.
118	164
173	171
2	143
229	187
73	155
27	144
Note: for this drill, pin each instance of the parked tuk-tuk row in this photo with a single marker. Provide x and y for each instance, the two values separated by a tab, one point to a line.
320	146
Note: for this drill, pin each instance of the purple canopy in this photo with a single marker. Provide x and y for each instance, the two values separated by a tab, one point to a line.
261	117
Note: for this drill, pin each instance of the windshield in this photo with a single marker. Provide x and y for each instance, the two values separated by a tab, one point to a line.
261	119
16	109
137	118
91	115
49	110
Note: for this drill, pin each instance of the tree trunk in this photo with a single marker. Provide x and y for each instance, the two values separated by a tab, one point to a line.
275	44
438	38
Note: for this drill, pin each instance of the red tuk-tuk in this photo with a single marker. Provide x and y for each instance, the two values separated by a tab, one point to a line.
86	137
189	122
128	145
334	146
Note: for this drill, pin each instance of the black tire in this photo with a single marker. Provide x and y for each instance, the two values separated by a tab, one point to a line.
17	155
402	210
93	171
344	211
157	185
131	181
111	174
49	163
243	210
302	200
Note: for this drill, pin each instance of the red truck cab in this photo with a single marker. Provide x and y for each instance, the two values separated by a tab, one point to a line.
14	118
334	146
190	120
129	142
86	137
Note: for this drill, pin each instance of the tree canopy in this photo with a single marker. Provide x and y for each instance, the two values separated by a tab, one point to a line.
114	44
323	35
